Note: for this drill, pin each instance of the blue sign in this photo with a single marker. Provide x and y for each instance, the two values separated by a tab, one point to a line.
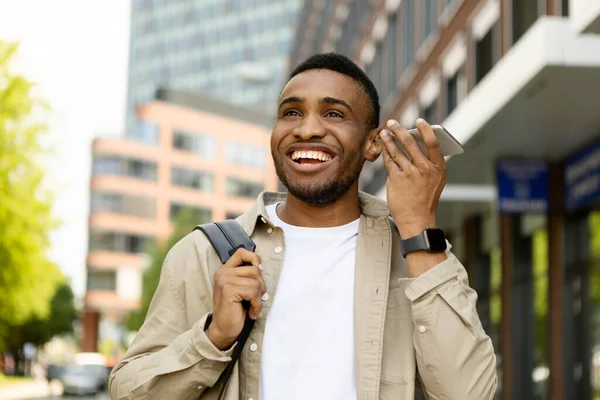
582	178
522	186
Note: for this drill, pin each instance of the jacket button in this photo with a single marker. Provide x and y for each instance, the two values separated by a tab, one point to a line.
270	230
422	329
265	297
278	249
253	347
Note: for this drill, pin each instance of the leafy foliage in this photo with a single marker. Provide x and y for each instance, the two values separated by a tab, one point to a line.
28	279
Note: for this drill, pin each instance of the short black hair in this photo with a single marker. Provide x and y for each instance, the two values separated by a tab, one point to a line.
342	64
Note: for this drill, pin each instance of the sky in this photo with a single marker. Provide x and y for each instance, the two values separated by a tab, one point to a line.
76	52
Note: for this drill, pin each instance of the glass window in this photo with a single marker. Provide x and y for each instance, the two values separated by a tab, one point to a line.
106	165
524	14
192	178
118	242
123	204
409	32
483	56
451	93
245	154
139	169
429	18
239	188
105	280
203	145
202	215
147	132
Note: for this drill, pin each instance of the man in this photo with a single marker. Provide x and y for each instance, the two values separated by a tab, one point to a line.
341	312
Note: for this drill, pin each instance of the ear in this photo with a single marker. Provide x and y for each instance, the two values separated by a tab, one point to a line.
373	146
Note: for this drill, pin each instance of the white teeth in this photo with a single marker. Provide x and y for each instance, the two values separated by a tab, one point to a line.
315	155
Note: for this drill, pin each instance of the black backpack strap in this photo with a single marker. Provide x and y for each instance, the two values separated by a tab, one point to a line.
226	237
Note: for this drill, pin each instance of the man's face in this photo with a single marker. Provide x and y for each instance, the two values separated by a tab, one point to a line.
318	141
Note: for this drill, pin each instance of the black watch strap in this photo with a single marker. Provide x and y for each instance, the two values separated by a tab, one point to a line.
413	244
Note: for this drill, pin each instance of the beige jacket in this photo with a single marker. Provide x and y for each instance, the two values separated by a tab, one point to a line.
409	333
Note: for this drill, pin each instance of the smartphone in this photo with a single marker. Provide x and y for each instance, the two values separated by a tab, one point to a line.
448	144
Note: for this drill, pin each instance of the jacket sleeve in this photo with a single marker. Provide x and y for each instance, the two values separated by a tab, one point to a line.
455	357
167	360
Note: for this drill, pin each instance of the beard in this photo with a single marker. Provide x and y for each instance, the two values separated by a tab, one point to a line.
323	193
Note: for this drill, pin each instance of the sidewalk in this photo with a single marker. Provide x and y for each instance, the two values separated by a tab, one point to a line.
29	390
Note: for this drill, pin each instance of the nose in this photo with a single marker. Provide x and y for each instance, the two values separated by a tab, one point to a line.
311	127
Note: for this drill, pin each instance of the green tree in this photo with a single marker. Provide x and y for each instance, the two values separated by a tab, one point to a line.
183	223
28	279
39	331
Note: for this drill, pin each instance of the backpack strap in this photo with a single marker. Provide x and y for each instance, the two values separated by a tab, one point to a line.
226	237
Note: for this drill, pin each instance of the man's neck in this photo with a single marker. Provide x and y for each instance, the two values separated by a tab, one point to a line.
299	213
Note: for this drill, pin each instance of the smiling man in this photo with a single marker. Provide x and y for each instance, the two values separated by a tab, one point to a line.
353	297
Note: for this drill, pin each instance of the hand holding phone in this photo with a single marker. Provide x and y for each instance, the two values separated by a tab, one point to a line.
448	144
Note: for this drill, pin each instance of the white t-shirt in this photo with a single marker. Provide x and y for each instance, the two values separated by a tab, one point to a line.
308	347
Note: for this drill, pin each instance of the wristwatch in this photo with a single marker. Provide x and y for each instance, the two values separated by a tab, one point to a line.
431	240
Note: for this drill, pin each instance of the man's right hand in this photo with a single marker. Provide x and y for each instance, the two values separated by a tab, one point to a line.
238	280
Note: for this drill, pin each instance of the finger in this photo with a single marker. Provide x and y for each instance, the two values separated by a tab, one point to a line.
252	273
241	257
389	163
393	151
253	295
408	142
431	142
248	293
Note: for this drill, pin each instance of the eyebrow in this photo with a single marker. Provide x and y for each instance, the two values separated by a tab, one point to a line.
333	100
324	100
292	99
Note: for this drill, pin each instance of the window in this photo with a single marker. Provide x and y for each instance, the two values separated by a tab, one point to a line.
245	154
201	215
524	14
565	8
118	242
239	188
192	178
430	112
483	56
451	93
146	131
106	165
429	18
113	165
105	280
139	169
123	204
409	32
203	145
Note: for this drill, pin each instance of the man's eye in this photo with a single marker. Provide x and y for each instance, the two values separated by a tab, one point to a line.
333	113
291	113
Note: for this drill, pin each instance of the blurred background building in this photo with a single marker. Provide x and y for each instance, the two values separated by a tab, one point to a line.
205	155
516	82
235	50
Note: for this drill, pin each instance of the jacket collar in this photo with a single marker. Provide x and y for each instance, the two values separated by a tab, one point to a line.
370	206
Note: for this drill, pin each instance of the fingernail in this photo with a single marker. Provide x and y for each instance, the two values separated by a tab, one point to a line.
420	121
391	123
385	132
260	267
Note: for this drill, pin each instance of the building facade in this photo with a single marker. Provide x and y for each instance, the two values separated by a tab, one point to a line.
208	156
235	50
515	82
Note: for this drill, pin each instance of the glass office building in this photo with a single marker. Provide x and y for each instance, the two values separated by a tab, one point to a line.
234	50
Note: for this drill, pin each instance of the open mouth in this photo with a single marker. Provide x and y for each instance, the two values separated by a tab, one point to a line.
310	157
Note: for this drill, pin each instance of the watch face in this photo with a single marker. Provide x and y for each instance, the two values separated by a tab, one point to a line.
437	240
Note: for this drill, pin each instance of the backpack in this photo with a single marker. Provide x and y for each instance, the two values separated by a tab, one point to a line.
226	237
